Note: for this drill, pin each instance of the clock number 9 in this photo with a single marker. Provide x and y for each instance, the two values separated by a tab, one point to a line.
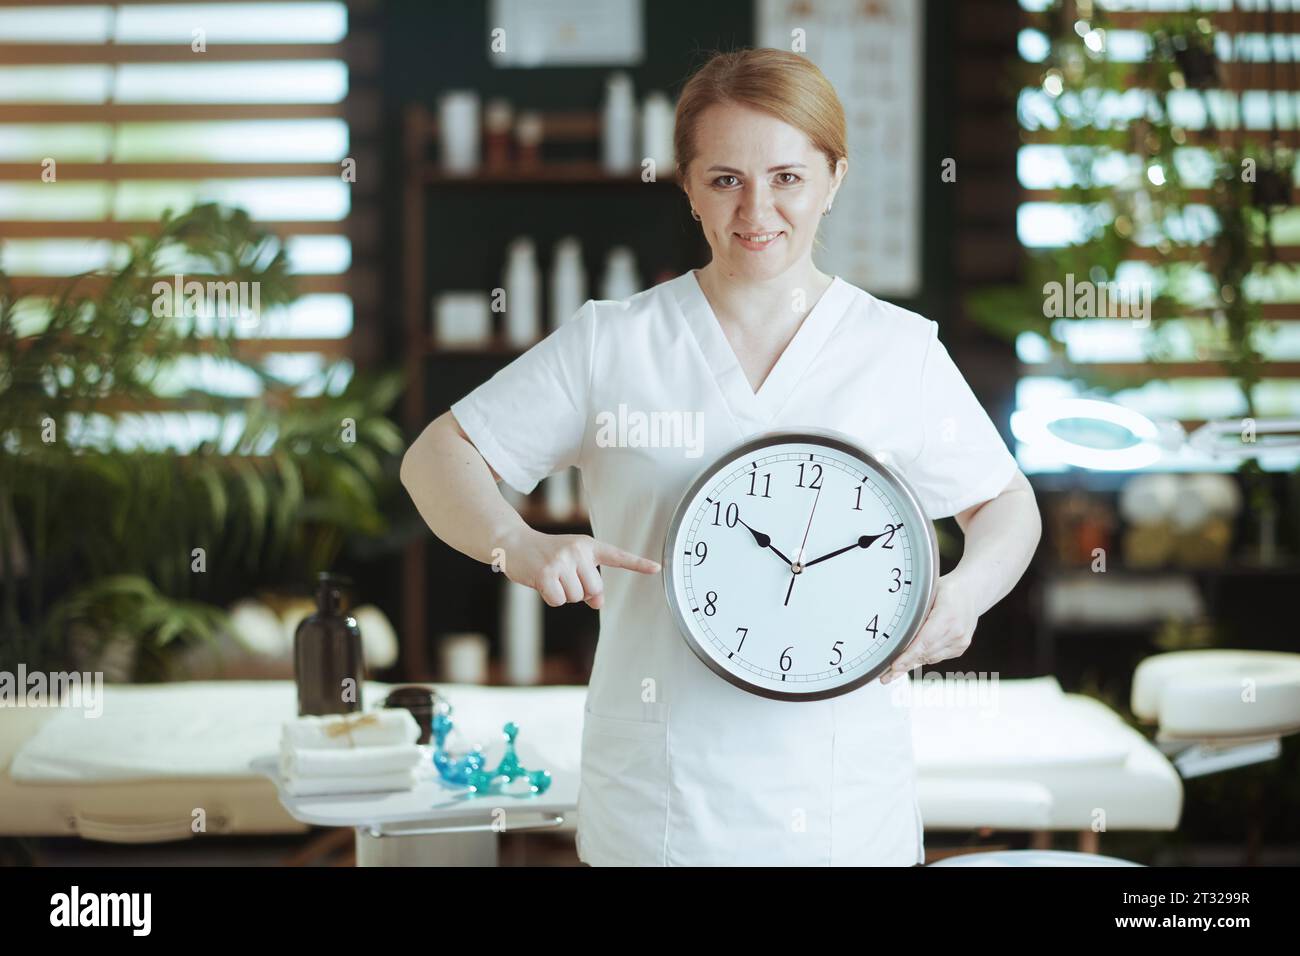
898	581
733	513
701	552
711	604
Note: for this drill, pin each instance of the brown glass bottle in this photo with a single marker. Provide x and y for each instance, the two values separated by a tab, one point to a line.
328	664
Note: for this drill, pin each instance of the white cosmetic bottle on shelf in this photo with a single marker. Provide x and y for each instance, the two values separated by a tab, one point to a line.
657	132
458	132
558	496
568	281
620	280
521	633
523	287
618	133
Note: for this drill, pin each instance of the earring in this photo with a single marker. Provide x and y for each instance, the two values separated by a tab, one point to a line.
828	208
695	215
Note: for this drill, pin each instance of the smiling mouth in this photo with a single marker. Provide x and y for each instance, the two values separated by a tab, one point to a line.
759	238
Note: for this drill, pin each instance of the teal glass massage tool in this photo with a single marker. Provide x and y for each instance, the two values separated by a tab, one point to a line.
468	771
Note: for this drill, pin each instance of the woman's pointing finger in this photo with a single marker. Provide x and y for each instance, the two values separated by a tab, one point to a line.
607	554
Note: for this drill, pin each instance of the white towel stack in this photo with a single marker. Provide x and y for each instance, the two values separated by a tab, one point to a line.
350	753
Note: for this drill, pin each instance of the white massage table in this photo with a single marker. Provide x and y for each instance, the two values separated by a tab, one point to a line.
1219	709
1027	757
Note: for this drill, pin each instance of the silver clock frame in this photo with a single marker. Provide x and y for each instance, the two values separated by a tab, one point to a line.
926	574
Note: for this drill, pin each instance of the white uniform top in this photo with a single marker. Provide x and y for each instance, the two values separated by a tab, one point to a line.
680	767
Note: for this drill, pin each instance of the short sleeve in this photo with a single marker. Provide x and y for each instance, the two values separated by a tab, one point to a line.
963	460
529	420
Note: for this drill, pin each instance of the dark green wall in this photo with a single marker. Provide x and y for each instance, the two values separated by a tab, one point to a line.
433	47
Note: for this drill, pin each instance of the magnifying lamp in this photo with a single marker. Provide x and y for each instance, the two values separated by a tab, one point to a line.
1090	433
1224	439
1104	436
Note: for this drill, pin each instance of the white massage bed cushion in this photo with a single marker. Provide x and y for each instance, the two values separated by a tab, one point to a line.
1013	725
1033	858
210	728
1026	756
1219	694
1025	749
965	803
205	729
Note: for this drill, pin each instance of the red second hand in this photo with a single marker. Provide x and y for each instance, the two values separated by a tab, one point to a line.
798	562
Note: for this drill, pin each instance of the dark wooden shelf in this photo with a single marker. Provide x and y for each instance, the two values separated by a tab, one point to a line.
556	671
538	517
423	181
1208	580
575	173
1235	569
1103	630
497	346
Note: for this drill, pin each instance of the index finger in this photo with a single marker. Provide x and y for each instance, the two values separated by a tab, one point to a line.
607	554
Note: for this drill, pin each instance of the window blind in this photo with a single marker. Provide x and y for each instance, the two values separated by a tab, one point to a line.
1173	370
112	113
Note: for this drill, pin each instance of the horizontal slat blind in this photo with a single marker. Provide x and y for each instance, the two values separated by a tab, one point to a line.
1258	90
137	119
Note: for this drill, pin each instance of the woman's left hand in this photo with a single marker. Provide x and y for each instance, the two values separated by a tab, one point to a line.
945	634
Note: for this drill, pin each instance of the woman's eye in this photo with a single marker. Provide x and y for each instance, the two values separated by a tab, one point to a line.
794	178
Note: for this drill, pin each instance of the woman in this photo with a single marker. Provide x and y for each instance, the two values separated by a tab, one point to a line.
680	767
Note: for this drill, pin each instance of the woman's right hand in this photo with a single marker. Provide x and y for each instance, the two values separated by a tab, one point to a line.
562	567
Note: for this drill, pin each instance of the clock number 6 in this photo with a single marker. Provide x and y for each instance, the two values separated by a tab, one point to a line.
785	658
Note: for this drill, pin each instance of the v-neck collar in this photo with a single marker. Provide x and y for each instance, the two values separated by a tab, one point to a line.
759	407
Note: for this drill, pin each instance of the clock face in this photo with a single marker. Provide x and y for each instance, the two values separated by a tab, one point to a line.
797	566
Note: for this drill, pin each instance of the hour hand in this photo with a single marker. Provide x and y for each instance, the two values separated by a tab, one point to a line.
863	542
765	541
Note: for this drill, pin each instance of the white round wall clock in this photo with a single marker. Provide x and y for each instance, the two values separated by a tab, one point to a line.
798	566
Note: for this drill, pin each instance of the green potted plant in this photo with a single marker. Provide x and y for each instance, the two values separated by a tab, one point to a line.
108	538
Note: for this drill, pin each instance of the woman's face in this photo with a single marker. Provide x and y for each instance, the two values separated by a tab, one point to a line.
755	175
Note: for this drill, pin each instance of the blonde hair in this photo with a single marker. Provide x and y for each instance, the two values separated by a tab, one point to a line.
782	84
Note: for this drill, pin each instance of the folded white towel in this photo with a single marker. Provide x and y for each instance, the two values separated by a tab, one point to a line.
302	762
326	786
373	728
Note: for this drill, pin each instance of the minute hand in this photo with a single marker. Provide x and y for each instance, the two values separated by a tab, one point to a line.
862	542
